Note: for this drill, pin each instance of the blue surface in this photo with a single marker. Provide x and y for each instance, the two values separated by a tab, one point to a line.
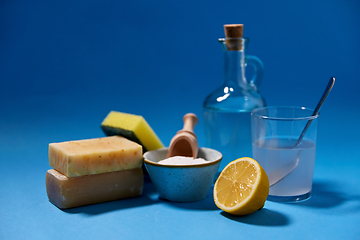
64	65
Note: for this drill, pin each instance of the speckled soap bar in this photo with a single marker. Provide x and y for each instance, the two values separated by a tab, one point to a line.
95	156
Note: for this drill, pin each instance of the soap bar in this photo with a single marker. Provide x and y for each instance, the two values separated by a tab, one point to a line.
132	127
66	192
94	156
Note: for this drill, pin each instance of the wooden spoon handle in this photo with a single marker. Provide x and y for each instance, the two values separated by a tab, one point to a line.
190	120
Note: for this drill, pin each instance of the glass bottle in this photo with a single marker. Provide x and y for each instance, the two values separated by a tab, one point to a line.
227	110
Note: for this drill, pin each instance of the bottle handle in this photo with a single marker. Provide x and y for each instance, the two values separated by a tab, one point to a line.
258	70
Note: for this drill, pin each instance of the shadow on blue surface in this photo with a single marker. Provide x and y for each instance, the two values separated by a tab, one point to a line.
330	195
203	205
263	217
148	197
324	195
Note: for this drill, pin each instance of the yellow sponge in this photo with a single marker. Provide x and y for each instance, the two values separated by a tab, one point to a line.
132	127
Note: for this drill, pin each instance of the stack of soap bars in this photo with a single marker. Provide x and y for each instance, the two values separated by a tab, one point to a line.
93	171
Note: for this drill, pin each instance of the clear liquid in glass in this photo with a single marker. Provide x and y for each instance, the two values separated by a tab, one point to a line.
279	158
229	133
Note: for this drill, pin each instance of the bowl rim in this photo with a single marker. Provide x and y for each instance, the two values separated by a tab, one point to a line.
199	165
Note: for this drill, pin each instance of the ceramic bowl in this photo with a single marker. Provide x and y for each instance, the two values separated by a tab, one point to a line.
182	183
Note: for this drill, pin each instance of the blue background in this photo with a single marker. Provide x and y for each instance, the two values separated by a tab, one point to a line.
65	64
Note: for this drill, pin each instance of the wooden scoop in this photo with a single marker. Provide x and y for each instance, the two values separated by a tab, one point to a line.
185	143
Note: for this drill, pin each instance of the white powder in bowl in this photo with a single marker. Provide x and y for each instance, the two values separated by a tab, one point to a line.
180	160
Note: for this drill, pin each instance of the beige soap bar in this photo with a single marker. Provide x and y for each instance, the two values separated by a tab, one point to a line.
66	192
94	156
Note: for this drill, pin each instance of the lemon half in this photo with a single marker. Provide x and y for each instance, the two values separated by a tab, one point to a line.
242	187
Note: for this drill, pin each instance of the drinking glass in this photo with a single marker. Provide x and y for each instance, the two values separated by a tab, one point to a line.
288	163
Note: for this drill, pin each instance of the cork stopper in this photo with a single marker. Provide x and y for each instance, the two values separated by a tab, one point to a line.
233	33
234	30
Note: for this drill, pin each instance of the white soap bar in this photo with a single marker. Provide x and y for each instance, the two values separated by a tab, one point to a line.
180	160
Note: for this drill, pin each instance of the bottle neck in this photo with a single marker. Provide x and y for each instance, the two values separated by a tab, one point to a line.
234	68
